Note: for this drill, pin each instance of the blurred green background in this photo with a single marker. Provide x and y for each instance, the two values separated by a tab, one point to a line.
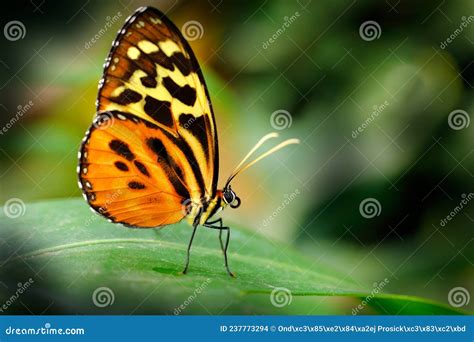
379	92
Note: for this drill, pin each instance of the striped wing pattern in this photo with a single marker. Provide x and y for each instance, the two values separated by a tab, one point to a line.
153	143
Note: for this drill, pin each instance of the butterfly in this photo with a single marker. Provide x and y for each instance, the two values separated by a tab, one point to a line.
150	157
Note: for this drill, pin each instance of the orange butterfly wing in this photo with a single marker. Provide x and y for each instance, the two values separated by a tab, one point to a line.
132	171
153	144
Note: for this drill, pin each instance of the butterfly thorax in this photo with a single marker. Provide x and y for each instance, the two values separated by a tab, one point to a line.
202	211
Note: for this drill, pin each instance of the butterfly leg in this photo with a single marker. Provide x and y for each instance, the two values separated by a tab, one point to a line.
189	249
188	252
217	224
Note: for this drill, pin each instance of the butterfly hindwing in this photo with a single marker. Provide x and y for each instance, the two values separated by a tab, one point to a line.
135	172
153	144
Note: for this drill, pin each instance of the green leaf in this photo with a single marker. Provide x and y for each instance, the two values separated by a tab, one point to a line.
69	252
411	305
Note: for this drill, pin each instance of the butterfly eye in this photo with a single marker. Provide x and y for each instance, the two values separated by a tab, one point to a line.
229	196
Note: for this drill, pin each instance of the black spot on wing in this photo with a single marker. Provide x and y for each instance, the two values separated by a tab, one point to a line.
197	127
90	196
185	94
149	81
121	166
177	60
182	63
160	58
159	110
186	120
126	97
142	168
122	149
136	185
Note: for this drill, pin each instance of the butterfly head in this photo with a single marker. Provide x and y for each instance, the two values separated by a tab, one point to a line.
230	198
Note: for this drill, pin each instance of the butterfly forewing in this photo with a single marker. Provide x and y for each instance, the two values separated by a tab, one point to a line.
153	145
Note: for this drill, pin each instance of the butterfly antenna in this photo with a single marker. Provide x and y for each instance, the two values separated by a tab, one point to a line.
257	145
240	169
